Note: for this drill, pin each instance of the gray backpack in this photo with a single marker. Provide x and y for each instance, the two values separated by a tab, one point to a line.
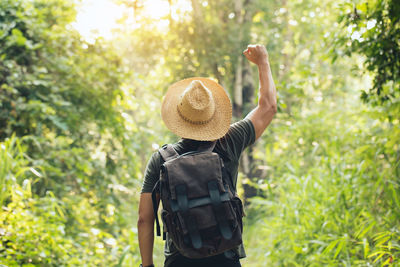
201	210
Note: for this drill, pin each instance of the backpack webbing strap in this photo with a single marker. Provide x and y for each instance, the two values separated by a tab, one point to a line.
197	202
155	205
219	211
191	224
168	152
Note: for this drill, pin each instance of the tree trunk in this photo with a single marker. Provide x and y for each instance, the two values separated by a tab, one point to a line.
238	87
171	21
283	72
247	157
244	87
197	13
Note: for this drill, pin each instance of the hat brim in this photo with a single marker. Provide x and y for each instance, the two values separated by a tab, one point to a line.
216	128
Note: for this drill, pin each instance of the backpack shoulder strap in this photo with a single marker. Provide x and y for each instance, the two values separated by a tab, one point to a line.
168	152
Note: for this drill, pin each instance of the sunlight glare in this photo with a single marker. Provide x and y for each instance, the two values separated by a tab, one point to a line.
97	18
156	9
159	9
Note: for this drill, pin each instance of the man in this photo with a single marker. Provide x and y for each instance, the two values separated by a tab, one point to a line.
198	110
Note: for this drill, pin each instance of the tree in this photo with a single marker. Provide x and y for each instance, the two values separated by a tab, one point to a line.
374	32
60	97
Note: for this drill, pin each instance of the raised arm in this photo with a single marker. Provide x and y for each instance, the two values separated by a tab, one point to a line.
262	115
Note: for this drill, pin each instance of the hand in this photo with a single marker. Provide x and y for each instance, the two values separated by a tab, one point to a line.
257	54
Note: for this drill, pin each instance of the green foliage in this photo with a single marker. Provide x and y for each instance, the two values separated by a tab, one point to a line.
331	194
204	42
328	166
62	95
49	231
79	120
373	31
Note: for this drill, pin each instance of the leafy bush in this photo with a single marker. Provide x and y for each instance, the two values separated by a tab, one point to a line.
48	231
331	197
66	176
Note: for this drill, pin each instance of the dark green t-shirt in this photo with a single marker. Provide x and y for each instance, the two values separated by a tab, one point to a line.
240	135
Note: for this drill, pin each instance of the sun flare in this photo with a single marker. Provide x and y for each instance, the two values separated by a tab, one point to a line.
98	18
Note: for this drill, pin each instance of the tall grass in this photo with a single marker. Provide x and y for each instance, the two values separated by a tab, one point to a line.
331	194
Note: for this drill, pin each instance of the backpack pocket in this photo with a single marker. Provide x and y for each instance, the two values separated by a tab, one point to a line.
174	227
169	224
209	229
239	211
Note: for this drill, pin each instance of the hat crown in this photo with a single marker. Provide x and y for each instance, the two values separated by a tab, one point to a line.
196	103
197	108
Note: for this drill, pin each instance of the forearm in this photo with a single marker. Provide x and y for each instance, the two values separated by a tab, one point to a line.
261	116
146	241
267	91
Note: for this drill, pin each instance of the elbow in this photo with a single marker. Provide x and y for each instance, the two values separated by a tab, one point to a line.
267	107
273	108
140	222
144	220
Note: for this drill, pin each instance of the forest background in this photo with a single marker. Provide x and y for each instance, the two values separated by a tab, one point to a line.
80	118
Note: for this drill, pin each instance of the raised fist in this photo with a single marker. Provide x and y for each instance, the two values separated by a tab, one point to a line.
257	54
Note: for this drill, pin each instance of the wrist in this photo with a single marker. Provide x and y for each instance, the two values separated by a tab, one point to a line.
151	265
263	66
263	63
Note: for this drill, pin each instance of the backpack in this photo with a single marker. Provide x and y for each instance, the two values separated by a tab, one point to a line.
201	211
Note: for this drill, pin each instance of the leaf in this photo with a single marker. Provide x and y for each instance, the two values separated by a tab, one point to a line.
339	248
366	248
123	255
361	149
395	196
380	235
382	241
19	38
387	261
35	172
258	17
330	246
366	229
57	122
297	249
380	256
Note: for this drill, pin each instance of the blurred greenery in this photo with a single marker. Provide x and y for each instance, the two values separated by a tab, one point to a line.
79	120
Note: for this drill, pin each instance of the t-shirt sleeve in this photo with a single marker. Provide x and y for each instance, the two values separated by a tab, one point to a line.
240	135
152	173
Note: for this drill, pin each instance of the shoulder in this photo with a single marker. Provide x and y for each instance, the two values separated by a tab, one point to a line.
151	174
240	135
242	126
155	160
242	131
153	166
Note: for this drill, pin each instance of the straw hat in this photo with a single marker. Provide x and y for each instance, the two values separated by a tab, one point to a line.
197	108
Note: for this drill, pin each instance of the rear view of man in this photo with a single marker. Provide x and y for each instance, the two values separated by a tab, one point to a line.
199	111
